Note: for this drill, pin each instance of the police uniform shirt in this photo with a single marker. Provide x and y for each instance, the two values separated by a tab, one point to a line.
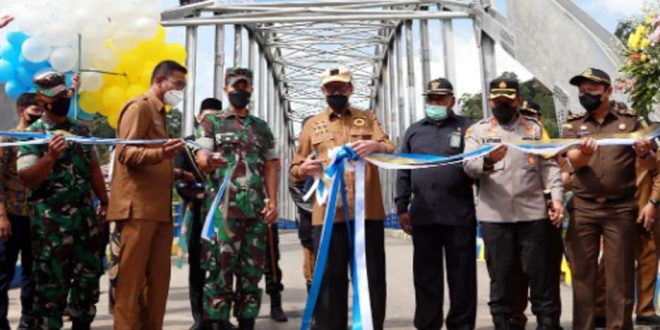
512	190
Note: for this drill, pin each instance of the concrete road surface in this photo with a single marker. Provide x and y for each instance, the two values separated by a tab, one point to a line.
400	293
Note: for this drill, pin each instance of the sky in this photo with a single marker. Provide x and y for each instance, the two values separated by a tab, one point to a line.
607	12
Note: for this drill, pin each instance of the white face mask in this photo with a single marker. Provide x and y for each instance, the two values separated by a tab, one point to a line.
173	97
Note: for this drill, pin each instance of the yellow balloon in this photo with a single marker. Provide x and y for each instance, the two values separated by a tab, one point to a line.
135	90
113	119
176	52
112	96
90	102
131	64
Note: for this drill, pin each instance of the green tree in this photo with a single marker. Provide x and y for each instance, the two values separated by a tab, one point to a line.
174	118
470	105
100	128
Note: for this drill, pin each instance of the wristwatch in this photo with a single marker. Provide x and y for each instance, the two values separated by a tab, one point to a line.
655	202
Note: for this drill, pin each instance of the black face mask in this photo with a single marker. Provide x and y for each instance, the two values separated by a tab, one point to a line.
591	102
337	102
33	118
61	106
504	113
239	98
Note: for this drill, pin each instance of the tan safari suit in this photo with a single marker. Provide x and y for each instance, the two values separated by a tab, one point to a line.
141	200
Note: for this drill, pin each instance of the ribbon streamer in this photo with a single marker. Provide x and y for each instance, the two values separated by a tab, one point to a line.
208	230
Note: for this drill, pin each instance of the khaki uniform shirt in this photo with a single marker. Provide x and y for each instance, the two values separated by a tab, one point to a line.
512	190
142	184
610	177
326	131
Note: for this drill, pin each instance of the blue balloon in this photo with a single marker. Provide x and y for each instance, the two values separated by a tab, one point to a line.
68	78
10	54
6	71
14	89
16	38
82	115
24	76
32	66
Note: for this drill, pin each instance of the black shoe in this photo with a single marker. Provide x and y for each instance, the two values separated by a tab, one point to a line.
600	321
517	326
80	325
245	324
229	326
276	312
648	320
198	325
215	325
502	322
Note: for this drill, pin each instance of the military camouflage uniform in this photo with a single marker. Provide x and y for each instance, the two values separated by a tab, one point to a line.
239	246
67	244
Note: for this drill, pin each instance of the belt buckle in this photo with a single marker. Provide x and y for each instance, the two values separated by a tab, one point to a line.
601	200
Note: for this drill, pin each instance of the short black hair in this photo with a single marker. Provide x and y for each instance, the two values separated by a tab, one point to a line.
25	100
167	68
211	103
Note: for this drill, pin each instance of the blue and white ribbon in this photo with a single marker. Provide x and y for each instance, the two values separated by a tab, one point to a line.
208	230
334	174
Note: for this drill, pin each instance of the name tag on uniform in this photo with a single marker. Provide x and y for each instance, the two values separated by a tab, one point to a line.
455	139
493	140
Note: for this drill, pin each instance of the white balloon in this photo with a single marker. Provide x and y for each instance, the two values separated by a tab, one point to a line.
104	60
90	81
30	24
145	27
36	49
63	59
125	39
60	35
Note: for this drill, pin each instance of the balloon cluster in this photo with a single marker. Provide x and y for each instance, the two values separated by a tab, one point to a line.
119	36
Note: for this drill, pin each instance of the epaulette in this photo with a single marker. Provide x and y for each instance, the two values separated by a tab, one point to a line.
573	116
627	112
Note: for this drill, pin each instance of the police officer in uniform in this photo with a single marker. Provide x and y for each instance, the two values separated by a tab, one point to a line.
532	110
605	206
338	125
439	230
512	208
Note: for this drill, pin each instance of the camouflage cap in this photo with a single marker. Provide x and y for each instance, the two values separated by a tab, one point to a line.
234	75
50	83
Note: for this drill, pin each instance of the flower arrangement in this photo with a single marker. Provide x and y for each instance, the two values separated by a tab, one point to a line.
642	65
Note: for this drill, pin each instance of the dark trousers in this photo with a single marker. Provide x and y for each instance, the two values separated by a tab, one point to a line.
18	242
617	229
331	311
273	284
195	272
459	246
503	242
556	242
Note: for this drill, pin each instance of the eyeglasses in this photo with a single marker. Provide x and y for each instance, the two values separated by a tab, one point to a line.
179	85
